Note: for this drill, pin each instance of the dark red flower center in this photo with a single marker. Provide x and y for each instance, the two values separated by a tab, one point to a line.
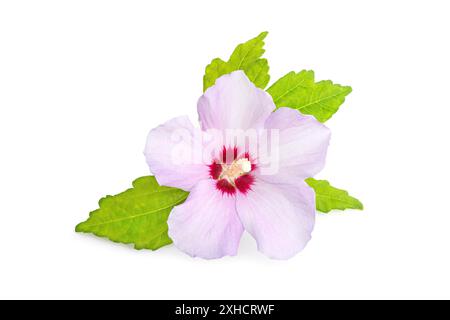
233	171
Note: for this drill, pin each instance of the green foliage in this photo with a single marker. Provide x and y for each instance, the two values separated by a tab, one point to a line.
138	215
329	198
246	57
258	73
299	91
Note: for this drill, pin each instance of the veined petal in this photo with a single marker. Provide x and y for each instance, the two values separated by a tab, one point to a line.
206	225
174	154
299	151
234	102
280	217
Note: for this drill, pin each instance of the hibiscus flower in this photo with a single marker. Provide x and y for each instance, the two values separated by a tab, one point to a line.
234	186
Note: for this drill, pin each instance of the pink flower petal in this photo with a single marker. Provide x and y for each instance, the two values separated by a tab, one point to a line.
279	217
234	103
174	154
302	147
206	225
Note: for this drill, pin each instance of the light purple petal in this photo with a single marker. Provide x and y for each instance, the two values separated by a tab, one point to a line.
301	148
279	217
174	154
234	103
206	225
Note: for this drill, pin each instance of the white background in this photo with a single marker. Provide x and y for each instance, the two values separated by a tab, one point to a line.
82	83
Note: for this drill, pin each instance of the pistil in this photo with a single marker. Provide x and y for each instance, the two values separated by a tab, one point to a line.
236	169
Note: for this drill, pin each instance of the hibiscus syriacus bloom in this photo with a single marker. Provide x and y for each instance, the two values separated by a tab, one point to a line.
234	186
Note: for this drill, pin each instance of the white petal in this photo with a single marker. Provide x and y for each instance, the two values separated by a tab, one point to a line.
174	154
234	103
300	150
280	217
206	225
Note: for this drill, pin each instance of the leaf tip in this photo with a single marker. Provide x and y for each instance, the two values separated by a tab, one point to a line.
79	227
347	89
359	205
263	35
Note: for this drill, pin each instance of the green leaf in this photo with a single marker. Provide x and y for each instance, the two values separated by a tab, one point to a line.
299	91
246	57
137	215
258	73
214	70
329	198
286	90
247	53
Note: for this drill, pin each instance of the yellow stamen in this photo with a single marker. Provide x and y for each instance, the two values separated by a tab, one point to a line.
235	170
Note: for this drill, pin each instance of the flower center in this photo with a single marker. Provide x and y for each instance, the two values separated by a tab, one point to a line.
236	169
232	172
